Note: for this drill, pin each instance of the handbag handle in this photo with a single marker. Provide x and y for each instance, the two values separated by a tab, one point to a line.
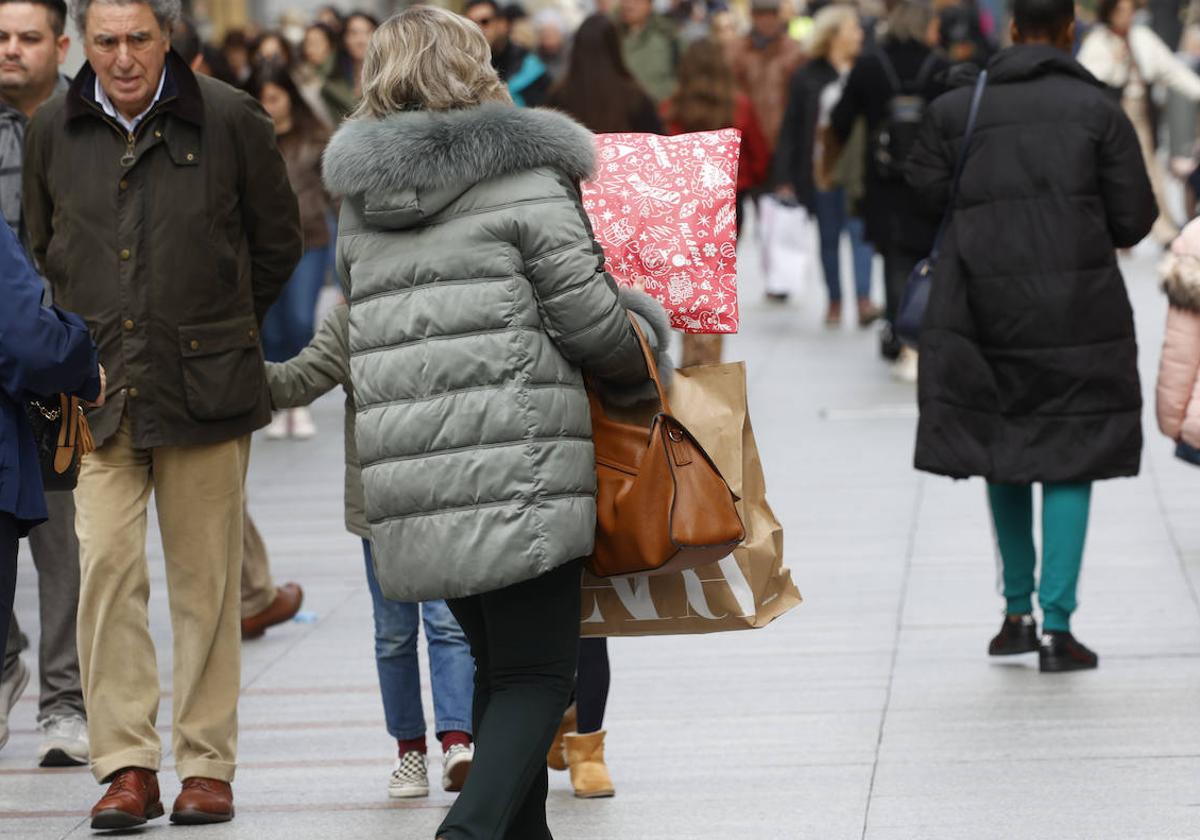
651	368
960	165
651	362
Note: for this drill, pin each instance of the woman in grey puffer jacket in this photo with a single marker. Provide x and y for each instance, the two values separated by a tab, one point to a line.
478	297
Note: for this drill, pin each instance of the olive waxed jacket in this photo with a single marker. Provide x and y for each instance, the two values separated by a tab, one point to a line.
172	244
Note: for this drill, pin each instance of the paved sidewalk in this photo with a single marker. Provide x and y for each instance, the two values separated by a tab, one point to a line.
869	712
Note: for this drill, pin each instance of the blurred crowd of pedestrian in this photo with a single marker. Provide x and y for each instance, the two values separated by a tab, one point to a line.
311	152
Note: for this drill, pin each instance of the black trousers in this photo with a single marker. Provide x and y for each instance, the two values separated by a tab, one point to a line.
898	265
525	639
591	685
10	538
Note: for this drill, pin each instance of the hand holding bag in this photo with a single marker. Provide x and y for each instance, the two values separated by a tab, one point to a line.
911	316
662	505
63	437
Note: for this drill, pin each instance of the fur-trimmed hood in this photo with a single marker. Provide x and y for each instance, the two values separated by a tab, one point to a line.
1181	280
449	151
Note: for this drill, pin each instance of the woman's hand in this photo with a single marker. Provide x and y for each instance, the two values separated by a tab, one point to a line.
103	390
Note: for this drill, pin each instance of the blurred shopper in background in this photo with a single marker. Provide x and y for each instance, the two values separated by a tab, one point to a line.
1130	60
553	42
1178	388
763	64
343	87
493	363
803	170
1028	355
235	49
890	87
650	45
32	35
319	51
519	68
290	323
599	90
272	47
708	99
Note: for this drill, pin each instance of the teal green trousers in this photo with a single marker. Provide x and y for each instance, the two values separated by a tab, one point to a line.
1065	509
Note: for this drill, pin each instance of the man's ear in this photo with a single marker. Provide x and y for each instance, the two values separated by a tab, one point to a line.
1014	34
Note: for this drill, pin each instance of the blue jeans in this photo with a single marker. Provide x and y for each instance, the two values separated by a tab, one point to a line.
452	669
291	321
832	219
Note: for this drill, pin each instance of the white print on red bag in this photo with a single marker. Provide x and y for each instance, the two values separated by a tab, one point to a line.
664	209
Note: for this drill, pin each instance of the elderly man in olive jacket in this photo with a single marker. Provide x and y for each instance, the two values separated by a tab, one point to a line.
159	208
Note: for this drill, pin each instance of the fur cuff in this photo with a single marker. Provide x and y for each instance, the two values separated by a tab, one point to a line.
1181	281
656	324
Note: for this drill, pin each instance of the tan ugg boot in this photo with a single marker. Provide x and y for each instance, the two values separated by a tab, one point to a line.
589	773
557	758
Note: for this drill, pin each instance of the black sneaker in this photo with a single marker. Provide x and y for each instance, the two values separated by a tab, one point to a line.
1020	636
1063	652
890	344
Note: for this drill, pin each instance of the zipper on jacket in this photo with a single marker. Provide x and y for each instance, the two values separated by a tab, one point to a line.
130	137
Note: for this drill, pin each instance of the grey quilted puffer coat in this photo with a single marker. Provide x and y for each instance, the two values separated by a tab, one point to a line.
477	296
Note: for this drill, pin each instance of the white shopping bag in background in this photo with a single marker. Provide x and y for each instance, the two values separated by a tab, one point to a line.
787	245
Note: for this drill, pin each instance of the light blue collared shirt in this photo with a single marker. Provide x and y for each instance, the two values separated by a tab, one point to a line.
129	125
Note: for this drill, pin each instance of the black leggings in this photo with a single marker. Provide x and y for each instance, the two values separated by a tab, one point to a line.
591	685
525	640
9	543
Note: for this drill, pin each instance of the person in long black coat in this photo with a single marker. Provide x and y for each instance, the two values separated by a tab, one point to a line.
1028	364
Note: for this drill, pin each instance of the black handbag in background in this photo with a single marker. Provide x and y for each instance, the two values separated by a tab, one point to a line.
63	437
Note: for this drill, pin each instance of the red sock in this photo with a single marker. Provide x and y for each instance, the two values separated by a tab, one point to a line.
407	746
449	739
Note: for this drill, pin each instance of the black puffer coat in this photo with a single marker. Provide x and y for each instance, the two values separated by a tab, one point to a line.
1028	356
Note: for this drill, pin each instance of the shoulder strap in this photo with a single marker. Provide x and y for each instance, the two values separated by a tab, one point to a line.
889	70
926	71
961	163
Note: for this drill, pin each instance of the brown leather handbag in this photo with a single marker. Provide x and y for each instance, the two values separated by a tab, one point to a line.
661	504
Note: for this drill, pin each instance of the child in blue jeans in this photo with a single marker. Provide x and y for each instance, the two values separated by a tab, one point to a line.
322	365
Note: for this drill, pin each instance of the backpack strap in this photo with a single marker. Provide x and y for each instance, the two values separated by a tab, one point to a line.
889	70
926	71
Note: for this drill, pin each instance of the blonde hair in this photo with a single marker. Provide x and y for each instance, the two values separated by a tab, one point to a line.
826	26
430	59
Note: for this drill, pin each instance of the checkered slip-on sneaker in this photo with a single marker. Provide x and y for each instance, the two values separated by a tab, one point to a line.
455	767
410	779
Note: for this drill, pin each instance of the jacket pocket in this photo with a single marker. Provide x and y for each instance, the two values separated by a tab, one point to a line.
223	372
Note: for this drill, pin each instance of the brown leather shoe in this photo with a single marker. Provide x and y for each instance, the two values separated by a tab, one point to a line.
131	800
288	599
203	801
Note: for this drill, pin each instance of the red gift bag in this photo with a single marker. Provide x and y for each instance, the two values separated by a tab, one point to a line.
664	209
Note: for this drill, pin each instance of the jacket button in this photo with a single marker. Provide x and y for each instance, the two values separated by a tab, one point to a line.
191	156
253	333
134	392
124	185
158	135
195	345
128	325
125	254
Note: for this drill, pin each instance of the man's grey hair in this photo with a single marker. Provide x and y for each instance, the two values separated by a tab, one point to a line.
167	12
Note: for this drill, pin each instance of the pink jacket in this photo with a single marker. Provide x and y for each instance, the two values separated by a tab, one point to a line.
1179	371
